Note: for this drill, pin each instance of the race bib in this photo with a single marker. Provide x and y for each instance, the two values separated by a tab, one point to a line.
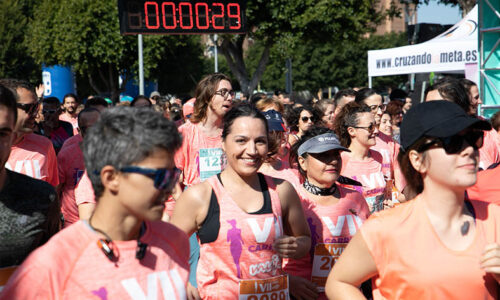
325	256
210	162
274	288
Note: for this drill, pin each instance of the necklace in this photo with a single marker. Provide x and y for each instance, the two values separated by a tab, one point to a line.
316	190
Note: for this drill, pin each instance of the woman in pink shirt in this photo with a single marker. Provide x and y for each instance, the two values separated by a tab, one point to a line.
439	245
246	222
356	128
334	213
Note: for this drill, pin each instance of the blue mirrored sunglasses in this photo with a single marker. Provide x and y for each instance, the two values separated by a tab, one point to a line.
164	179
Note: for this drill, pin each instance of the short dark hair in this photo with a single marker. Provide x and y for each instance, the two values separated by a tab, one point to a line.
294	157
84	111
348	117
238	111
398	94
8	98
14	84
96	101
123	136
140	97
51	100
452	90
364	93
343	93
71	95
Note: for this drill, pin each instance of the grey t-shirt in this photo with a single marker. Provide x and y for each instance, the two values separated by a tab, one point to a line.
29	216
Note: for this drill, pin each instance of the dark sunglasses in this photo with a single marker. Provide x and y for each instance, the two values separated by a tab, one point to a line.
28	108
370	128
305	119
454	144
164	179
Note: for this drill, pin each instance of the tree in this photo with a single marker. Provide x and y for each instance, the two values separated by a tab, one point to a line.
15	61
287	23
85	34
465	5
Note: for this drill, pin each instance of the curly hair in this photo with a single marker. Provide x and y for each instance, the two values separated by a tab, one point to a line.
348	117
293	117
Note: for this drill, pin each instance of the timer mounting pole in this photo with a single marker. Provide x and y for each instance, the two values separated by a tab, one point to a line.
141	65
215	54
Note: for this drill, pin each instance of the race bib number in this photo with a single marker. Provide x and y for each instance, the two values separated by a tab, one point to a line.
274	288
325	256
210	162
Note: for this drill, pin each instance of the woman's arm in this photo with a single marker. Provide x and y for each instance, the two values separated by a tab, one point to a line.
191	208
297	239
353	267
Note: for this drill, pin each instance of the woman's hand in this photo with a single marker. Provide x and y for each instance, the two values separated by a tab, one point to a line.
490	260
192	292
302	289
286	246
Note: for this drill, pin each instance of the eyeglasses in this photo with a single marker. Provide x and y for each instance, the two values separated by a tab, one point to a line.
225	93
164	179
375	108
370	128
28	108
454	144
305	119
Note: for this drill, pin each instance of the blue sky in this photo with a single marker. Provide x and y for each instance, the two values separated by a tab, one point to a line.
438	13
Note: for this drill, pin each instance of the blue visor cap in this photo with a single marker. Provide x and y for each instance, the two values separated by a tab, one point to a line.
321	143
274	120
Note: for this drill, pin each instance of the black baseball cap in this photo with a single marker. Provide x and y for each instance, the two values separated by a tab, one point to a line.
274	120
439	119
321	143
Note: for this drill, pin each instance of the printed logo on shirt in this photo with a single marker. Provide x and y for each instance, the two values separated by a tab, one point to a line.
102	293
30	168
336	230
270	266
171	285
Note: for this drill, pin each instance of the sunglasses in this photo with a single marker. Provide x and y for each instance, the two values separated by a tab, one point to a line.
454	144
164	179
375	108
370	128
305	119
28	108
225	93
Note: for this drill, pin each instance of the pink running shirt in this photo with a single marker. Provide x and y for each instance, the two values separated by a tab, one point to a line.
72	266
72	120
413	262
71	169
371	174
489	153
200	156
332	227
242	251
34	156
84	192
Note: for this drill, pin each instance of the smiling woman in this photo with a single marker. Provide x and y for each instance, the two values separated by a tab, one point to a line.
237	210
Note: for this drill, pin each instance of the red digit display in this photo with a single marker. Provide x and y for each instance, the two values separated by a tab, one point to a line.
169	14
148	4
186	15
182	16
218	18
201	15
235	15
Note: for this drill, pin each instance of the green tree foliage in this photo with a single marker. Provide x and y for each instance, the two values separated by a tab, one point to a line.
282	24
328	63
14	59
85	34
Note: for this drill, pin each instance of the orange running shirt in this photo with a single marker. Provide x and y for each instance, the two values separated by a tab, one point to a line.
413	263
371	175
332	227
242	250
71	168
34	156
487	187
200	156
72	266
290	175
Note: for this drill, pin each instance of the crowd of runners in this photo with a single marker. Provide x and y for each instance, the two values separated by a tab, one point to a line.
361	196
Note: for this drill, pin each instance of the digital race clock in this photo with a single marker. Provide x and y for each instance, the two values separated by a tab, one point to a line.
181	17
